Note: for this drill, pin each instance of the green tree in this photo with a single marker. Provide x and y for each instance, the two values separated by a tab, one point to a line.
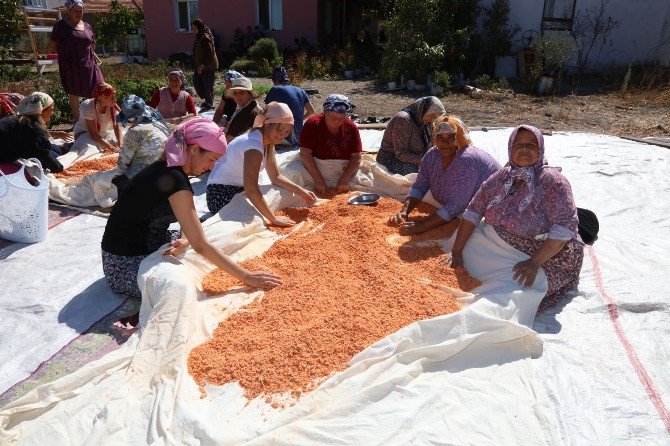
497	35
111	29
443	26
10	21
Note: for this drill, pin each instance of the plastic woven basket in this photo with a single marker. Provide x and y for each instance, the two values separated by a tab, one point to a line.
24	208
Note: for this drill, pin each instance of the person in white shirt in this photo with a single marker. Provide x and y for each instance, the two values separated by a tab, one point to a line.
97	127
237	171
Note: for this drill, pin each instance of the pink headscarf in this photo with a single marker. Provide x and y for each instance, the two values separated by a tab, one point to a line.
201	131
275	112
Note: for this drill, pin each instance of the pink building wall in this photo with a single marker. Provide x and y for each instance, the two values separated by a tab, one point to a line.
299	18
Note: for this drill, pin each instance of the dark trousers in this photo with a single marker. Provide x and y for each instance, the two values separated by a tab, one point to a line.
204	85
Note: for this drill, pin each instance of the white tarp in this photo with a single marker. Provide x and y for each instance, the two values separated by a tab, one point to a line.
52	291
480	375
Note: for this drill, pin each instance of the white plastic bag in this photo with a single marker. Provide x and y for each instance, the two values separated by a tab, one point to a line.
24	215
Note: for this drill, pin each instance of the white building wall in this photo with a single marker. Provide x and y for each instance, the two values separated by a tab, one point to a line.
643	33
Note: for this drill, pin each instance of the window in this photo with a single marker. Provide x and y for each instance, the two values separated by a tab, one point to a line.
186	11
269	14
558	15
34	3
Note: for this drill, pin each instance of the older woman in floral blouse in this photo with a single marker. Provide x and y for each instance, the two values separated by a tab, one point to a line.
452	171
531	207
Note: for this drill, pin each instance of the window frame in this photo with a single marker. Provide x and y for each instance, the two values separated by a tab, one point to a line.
271	18
188	15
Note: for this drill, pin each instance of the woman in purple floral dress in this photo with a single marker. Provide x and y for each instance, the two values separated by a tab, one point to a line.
452	170
531	207
73	39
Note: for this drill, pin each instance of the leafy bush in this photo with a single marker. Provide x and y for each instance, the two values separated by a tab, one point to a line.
143	88
9	73
417	26
265	49
303	66
10	22
181	59
261	89
260	59
62	112
442	79
486	82
263	68
243	65
497	35
551	52
111	29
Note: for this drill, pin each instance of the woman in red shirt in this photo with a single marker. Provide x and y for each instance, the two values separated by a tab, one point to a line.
331	135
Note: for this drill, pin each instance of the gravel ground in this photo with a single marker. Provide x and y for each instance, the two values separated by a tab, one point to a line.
636	114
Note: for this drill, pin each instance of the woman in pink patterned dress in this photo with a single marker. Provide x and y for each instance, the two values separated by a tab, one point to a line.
531	207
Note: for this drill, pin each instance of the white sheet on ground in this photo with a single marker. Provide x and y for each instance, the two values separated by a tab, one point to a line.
52	291
95	189
480	375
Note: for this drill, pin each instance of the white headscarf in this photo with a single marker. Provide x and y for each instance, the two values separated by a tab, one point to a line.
34	104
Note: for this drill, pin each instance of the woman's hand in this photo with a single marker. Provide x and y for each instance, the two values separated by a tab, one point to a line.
112	146
320	186
282	222
262	279
412	227
342	187
65	136
177	247
398	219
308	196
525	272
456	259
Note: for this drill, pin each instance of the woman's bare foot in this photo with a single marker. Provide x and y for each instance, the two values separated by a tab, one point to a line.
128	322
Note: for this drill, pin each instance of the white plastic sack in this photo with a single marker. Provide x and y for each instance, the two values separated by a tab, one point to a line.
24	208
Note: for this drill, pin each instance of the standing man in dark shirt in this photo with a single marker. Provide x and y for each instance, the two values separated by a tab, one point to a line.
295	97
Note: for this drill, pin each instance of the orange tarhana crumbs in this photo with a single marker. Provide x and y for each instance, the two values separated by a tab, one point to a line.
82	168
344	288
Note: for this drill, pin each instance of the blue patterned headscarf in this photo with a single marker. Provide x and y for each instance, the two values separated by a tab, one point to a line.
69	4
134	109
280	76
230	75
338	103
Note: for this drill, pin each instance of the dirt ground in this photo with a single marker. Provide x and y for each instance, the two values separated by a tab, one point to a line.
636	114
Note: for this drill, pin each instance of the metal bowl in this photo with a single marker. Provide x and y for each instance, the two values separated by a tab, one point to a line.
365	199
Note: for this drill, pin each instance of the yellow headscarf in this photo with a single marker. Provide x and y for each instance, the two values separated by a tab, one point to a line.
453	124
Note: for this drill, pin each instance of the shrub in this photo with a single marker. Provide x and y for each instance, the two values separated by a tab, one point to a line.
62	112
10	22
243	65
265	49
143	88
111	29
442	79
497	35
551	52
9	73
486	82
181	59
263	68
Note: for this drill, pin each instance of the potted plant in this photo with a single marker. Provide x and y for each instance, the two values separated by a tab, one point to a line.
441	83
551	53
424	58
